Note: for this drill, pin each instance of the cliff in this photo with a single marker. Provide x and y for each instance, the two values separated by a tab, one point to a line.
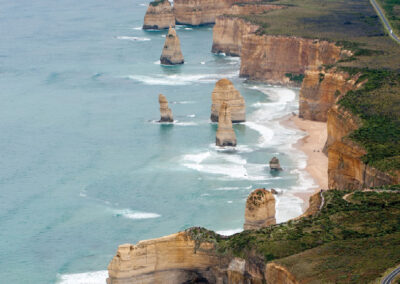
225	92
282	59
320	90
165	111
225	135
172	53
260	210
346	169
159	15
276	274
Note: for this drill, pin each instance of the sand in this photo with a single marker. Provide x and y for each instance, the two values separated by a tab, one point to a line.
312	145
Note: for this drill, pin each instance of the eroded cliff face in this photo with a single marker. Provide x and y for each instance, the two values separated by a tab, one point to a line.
159	15
345	167
260	210
319	92
276	274
275	59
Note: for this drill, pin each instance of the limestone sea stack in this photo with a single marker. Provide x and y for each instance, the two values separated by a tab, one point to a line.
225	92
260	210
172	54
225	134
165	111
274	164
159	15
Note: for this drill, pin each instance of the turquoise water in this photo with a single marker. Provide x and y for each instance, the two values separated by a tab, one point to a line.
84	167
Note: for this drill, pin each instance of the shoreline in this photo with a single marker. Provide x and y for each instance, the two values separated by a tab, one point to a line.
312	145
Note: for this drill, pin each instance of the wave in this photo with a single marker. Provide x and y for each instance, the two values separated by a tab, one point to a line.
95	277
133	38
137	28
179	79
175	122
229	232
266	133
135	215
183	102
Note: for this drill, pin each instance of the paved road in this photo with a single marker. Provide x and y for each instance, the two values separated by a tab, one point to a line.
388	279
385	21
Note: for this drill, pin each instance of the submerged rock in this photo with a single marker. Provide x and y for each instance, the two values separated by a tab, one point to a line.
225	92
159	15
225	134
165	111
172	53
260	210
274	164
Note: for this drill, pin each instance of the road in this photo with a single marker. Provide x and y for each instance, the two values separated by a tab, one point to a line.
385	21
388	279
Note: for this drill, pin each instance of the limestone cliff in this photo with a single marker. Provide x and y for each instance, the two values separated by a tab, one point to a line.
282	59
168	260
159	15
172	53
276	274
274	164
225	135
225	92
319	92
345	167
260	210
165	111
228	33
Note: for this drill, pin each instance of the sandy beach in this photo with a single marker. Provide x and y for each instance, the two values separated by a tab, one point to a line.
312	145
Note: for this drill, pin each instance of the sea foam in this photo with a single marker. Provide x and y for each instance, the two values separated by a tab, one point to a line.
135	215
95	277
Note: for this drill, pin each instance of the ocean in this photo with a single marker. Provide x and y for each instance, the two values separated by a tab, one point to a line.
84	166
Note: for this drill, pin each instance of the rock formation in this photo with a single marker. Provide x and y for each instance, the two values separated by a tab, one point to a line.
172	259
274	164
159	15
260	210
172	54
225	134
320	91
282	59
225	92
165	111
277	274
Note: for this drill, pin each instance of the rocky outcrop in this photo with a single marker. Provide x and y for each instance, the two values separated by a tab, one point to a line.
228	33
282	59
225	134
172	259
260	210
345	167
274	164
225	92
159	15
165	111
319	92
172	53
277	274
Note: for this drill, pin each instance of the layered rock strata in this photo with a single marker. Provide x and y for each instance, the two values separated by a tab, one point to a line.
225	134
345	167
159	15
274	164
165	111
172	53
320	90
282	59
225	92
260	210
168	260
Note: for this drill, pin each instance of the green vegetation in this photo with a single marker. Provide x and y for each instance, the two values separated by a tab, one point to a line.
377	103
297	78
347	242
157	2
392	12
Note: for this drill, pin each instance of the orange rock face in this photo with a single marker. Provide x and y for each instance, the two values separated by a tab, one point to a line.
159	15
276	274
275	58
260	210
319	92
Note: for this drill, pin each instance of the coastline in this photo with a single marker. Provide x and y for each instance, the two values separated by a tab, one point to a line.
312	145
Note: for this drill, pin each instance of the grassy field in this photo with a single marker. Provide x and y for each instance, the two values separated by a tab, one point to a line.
347	242
392	12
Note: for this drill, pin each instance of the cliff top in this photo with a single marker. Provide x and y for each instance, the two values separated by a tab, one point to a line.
223	83
348	241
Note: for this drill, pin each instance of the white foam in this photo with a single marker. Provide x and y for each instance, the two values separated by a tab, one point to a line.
135	215
183	102
179	79
229	232
266	133
191	115
229	201
197	158
202	63
95	277
142	4
189	29
158	62
137	28
229	188
133	38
